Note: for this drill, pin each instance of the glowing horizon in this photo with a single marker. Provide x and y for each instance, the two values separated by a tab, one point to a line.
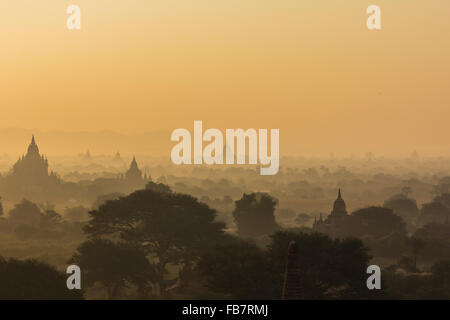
313	70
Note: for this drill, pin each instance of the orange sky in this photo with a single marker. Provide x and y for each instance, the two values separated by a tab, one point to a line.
309	68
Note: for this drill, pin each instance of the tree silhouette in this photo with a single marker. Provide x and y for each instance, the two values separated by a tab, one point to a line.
115	265
160	187
171	228
376	222
254	214
435	211
50	217
330	268
33	280
403	206
240	270
25	212
436	238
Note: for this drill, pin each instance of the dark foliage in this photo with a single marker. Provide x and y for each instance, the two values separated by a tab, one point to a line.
115	265
330	268
171	228
32	279
254	214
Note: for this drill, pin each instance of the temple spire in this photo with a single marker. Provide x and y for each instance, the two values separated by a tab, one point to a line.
32	168
339	194
33	149
134	164
134	172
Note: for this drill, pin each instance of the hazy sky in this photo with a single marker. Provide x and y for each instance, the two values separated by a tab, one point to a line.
309	68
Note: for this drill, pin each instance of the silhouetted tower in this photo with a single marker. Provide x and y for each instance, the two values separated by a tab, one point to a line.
134	173
32	167
339	207
33	149
292	287
333	224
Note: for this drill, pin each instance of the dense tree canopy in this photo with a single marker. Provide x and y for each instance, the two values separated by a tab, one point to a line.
436	211
32	279
330	268
25	212
403	206
115	265
240	270
376	222
254	214
436	239
171	228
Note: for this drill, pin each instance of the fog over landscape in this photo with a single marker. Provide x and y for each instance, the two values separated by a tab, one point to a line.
53	210
224	150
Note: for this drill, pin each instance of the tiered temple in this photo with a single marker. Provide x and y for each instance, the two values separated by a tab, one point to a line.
134	174
32	168
333	223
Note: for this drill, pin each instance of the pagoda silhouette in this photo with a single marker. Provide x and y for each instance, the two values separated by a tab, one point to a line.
333	225
32	168
134	178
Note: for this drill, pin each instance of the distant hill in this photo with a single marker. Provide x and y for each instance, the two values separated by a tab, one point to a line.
15	141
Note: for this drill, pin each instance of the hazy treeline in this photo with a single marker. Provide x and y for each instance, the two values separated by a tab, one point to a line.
223	233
